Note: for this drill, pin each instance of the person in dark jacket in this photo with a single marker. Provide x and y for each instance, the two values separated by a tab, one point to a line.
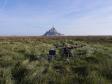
52	54
66	51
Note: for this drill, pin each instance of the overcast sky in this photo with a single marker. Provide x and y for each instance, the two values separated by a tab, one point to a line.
70	17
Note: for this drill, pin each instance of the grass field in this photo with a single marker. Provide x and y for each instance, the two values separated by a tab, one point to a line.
23	60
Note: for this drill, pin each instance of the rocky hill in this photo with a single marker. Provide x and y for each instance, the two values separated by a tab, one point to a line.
52	32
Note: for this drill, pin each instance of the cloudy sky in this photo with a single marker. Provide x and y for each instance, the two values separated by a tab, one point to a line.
70	17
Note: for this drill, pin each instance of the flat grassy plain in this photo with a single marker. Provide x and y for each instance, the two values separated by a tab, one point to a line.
23	60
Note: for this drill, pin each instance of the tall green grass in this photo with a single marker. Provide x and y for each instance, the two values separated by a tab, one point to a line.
25	62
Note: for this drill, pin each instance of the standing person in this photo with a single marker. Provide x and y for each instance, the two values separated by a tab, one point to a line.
52	54
67	51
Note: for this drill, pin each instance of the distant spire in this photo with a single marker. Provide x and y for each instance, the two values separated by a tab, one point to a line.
53	28
52	32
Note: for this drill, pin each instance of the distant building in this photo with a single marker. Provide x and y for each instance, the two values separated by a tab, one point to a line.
52	32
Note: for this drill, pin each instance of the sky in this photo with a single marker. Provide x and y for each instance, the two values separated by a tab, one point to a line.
70	17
